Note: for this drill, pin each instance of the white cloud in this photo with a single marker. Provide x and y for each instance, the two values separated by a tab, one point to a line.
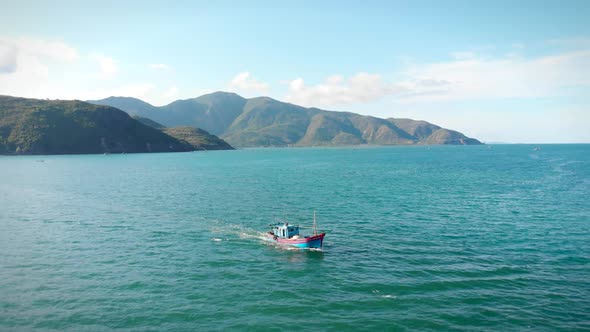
171	92
25	65
8	57
360	88
337	90
159	66
44	48
15	53
243	83
507	124
108	66
29	78
507	77
465	77
48	49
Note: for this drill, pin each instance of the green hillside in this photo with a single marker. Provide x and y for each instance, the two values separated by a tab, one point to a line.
264	121
149	122
33	126
197	138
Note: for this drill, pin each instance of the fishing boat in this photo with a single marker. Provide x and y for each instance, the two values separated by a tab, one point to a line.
284	234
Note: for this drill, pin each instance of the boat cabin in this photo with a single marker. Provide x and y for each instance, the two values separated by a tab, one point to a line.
284	230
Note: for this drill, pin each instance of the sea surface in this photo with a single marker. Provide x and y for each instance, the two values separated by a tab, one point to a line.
456	238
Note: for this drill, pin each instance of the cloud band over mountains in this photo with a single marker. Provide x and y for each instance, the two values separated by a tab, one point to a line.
42	68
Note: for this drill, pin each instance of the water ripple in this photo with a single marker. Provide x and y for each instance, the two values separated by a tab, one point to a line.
447	238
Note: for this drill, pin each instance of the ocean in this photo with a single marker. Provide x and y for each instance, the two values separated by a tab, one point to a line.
455	238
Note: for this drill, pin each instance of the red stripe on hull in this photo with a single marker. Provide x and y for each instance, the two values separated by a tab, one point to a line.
298	241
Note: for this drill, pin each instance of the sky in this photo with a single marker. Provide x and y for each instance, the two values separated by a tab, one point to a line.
499	71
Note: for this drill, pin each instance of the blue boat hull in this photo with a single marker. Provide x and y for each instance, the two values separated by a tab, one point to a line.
315	241
311	244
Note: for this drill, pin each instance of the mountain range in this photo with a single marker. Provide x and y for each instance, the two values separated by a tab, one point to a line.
34	126
264	121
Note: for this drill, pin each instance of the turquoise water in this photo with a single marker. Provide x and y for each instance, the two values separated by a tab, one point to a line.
441	238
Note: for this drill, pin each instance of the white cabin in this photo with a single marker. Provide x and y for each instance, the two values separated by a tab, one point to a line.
284	230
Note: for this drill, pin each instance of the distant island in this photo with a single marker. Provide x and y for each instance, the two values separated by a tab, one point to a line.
129	125
264	121
33	126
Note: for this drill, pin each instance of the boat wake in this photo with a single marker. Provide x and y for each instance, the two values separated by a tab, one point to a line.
225	232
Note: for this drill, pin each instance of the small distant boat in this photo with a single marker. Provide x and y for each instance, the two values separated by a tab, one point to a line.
284	234
536	148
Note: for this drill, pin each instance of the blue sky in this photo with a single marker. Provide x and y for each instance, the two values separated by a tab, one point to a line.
496	70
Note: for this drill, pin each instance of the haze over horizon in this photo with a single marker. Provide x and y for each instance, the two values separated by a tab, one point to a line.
502	71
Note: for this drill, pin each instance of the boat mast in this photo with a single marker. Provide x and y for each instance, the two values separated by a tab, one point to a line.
315	226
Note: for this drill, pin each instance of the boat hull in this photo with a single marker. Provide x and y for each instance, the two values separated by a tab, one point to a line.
315	241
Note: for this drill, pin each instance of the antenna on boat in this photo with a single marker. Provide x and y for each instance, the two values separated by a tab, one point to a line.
315	226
